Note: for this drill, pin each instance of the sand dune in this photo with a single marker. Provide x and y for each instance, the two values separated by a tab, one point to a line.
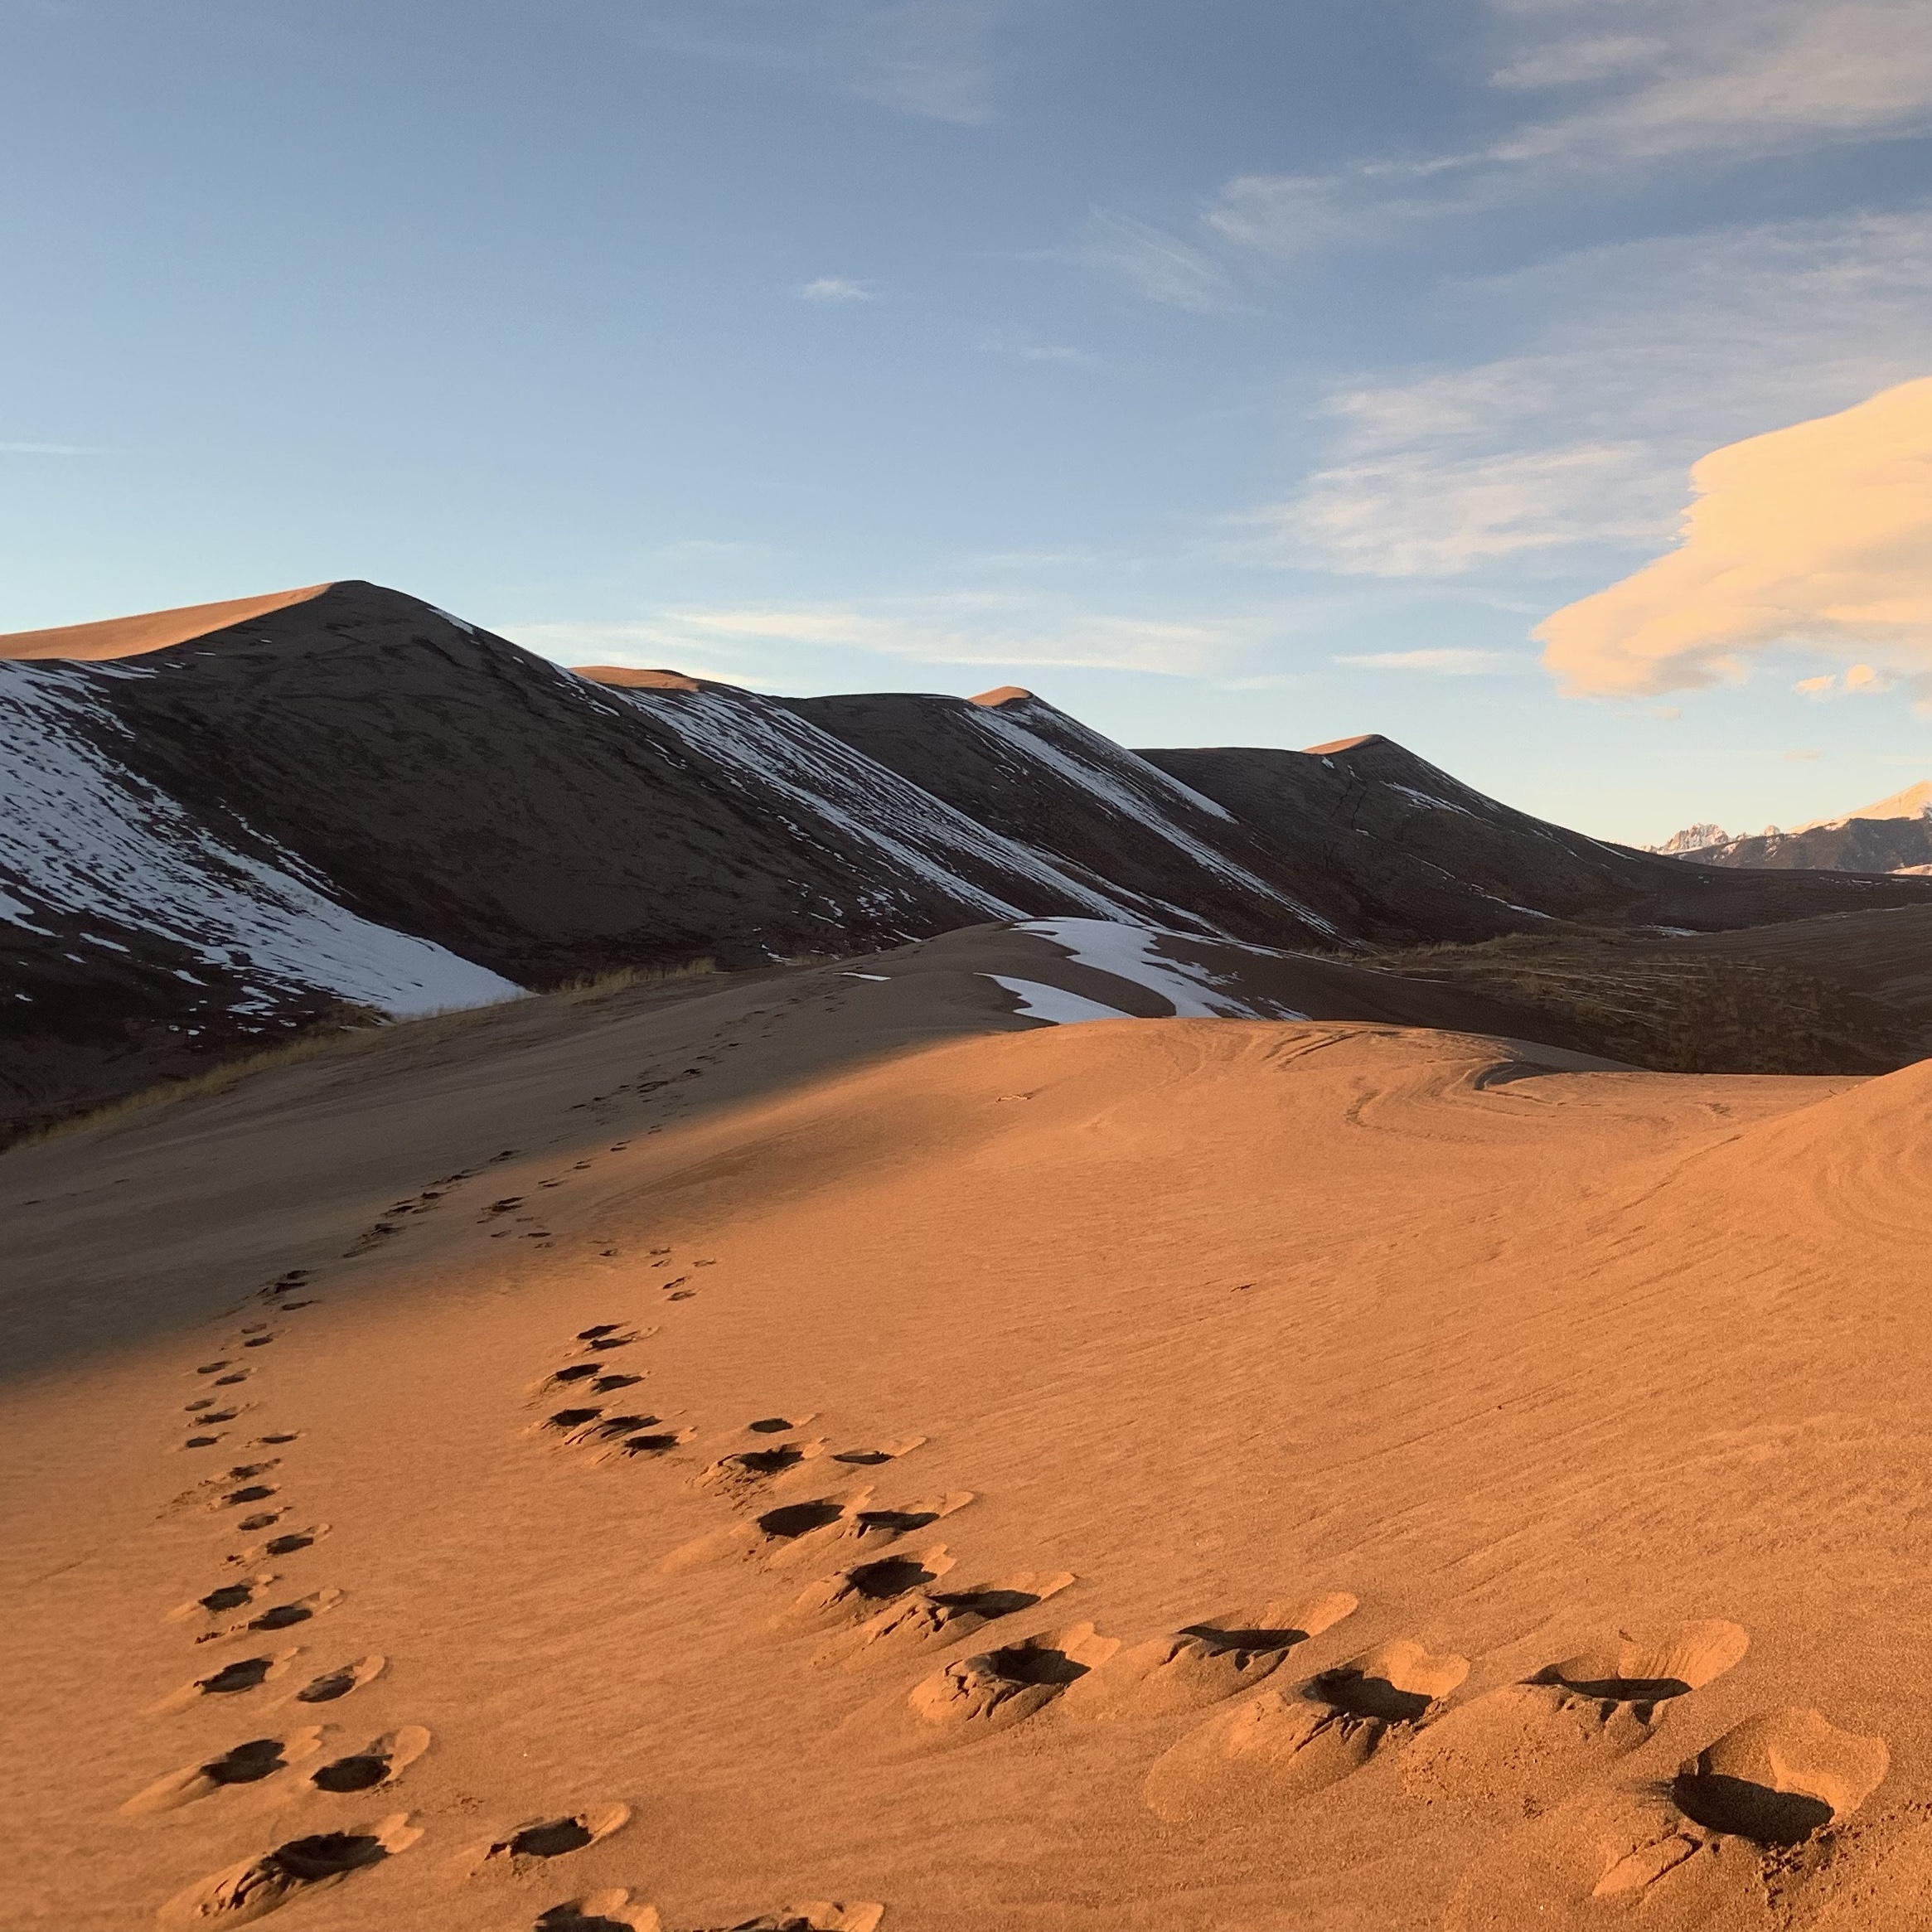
113	637
828	1446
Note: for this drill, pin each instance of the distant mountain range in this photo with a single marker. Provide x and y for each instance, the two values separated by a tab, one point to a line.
226	823
1892	834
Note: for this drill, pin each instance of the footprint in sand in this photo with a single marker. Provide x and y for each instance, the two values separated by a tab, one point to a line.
853	1594
1206	1663
824	1526
380	1762
746	1470
977	1696
530	1846
224	1598
334	1684
606	1335
614	1438
599	1911
243	1766
887	1451
1682	1857
284	1616
776	1424
232	1679
652	1443
578	1427
285	1545
1518	1749
257	1886
1278	1745
925	1620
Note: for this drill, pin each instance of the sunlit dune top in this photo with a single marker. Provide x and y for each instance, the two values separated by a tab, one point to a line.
1914	801
1004	694
151	630
1343	744
633	678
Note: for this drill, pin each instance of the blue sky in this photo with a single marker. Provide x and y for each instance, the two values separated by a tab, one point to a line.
1228	372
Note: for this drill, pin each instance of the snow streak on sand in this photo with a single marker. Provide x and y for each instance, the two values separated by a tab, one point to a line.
82	835
1054	1004
865	805
1128	952
1092	774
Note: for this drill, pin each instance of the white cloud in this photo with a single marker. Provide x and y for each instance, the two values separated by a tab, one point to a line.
1445	663
1818	535
951	627
1285	214
970	627
1860	679
1424	513
46	449
1157	266
833	288
1584	57
932	59
1637	358
1024	348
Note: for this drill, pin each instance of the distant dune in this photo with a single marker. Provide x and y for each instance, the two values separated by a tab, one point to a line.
150	630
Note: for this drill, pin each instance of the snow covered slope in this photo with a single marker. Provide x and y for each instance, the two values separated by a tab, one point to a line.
82	838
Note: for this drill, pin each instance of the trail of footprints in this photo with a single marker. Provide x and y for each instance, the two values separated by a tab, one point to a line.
1761	1809
299	1763
1234	1735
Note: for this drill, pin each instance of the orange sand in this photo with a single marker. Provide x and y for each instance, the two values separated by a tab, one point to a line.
151	630
1183	1476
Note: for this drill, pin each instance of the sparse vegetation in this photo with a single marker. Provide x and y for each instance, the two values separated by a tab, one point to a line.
1664	1006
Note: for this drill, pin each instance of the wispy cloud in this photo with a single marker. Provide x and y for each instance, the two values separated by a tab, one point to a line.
1737	76
1858	681
779	645
1443	663
1156	265
47	449
833	288
970	627
1640	357
1023	348
1721	80
932	59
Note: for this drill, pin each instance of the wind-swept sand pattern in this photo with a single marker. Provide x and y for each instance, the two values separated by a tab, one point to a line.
1204	1474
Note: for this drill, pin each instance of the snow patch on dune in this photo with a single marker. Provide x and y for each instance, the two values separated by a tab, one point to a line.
82	835
1055	1004
1129	953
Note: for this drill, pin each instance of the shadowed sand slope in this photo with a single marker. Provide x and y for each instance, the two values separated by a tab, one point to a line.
806	1449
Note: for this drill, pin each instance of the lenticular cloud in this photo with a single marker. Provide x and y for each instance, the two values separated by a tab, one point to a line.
1820	535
